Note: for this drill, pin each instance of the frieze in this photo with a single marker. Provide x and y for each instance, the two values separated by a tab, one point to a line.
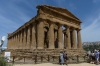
58	20
51	17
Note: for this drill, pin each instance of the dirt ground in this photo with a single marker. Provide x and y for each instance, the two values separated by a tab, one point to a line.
50	64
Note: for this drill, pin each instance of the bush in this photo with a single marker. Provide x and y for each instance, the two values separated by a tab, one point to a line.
3	62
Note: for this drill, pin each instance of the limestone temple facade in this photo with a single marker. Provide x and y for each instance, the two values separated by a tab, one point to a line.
52	28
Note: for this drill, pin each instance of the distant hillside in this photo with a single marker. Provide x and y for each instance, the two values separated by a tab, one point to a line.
91	45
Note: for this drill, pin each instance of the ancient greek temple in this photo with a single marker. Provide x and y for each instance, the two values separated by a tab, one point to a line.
51	28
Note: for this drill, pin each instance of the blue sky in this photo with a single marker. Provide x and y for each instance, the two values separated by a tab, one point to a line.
14	13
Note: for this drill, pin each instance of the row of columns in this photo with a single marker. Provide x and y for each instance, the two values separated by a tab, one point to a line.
32	37
24	39
72	38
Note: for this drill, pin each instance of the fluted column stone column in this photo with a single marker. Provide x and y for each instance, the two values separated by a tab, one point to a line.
12	42
40	35
65	42
18	40
21	35
51	36
74	38
55	39
8	45
15	41
24	39
68	44
33	46
28	38
79	39
60	37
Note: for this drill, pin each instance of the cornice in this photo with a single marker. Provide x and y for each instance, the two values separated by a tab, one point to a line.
57	20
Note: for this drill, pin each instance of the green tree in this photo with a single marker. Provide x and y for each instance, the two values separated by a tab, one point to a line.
3	62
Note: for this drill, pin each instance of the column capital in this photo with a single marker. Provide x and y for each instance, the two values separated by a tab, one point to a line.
78	29
73	28
67	26
59	24
50	22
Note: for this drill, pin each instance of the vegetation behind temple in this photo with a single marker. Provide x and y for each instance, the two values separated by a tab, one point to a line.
3	60
91	45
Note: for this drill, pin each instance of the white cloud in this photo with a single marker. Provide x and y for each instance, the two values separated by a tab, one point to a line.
95	1
92	32
13	16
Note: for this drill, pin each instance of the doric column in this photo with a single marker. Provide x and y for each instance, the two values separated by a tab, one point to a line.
55	34
11	42
65	42
15	41
24	38
60	37
40	35
55	39
8	44
18	40
28	38
21	40
51	36
79	39
20	37
68	44
74	46
33	46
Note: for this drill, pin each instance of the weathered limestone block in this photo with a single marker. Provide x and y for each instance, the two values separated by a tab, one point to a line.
33	45
51	36
40	35
24	38
74	39
28	38
68	44
60	37
79	39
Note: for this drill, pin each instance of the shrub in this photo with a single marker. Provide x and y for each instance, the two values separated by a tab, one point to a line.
3	62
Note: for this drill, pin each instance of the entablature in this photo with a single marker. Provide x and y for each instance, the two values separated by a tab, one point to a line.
55	12
58	20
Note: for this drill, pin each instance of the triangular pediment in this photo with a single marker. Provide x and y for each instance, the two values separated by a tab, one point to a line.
62	10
